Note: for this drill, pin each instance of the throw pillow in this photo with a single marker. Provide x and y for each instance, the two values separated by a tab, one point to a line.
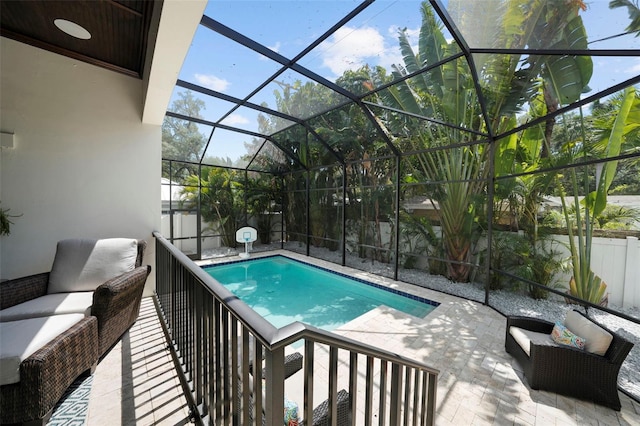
597	338
563	336
290	413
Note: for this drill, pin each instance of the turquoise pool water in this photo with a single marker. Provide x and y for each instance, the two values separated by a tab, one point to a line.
284	290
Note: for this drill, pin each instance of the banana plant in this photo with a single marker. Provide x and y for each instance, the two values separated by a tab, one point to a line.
448	94
584	283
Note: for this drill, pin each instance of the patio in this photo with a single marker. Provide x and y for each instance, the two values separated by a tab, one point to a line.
331	130
479	382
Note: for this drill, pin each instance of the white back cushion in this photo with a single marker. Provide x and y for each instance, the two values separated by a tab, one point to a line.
597	339
83	264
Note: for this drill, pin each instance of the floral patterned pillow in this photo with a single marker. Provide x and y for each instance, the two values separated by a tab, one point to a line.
563	336
290	413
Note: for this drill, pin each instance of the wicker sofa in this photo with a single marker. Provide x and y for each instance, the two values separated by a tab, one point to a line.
78	326
589	373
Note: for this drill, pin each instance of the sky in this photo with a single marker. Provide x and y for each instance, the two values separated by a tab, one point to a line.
287	27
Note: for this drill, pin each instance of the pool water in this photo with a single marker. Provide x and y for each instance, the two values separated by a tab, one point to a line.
284	290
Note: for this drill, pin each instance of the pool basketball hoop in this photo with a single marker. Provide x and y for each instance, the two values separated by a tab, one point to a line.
246	235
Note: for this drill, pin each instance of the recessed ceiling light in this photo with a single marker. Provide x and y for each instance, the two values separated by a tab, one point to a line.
72	29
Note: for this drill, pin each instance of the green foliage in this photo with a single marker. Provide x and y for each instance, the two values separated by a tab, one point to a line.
634	13
584	283
618	217
418	237
263	195
181	139
220	195
5	221
621	126
447	94
517	254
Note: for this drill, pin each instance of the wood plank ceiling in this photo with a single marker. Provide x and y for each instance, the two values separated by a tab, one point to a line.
119	29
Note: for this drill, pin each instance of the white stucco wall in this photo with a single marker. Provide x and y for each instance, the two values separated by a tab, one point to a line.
83	164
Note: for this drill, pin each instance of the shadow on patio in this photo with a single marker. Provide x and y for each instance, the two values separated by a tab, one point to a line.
136	382
479	383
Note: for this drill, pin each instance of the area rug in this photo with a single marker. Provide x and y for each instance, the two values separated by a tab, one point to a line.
74	404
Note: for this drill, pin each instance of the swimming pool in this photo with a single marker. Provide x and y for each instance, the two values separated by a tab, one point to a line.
284	290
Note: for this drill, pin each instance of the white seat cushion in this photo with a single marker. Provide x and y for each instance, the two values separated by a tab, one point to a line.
50	304
597	339
83	264
20	339
524	338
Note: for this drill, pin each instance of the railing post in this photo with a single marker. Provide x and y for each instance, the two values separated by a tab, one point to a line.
246	415
368	404
274	387
396	395
431	399
333	383
308	378
383	392
353	384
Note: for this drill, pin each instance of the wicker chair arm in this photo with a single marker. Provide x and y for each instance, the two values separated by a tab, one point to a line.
116	304
567	352
572	364
531	324
22	289
48	372
120	286
618	350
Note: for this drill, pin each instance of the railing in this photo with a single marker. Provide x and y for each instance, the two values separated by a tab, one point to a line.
216	338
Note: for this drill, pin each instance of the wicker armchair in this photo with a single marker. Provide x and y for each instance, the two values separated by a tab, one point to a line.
566	370
116	303
48	372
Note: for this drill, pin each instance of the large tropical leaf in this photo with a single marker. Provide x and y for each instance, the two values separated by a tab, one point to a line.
505	154
432	48
402	97
613	149
569	75
634	13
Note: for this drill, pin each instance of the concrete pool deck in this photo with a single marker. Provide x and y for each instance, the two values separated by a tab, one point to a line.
479	383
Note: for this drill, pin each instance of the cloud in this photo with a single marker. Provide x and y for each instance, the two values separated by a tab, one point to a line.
234	119
349	48
275	48
635	69
212	82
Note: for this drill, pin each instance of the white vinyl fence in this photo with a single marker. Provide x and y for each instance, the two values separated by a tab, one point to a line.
617	262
